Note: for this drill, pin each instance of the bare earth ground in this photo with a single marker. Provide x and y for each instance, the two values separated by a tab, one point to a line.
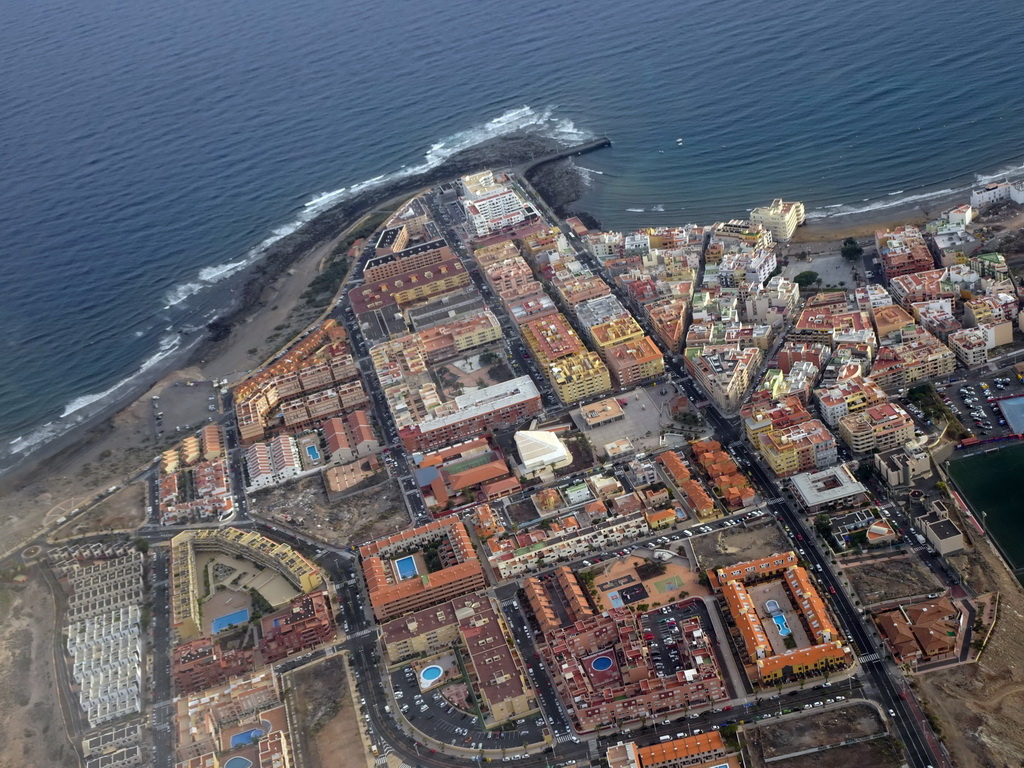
979	708
33	729
360	516
824	728
732	545
326	715
117	448
123	511
891	579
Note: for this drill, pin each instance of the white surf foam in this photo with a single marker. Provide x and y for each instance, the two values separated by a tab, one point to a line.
658	208
525	119
168	346
635	210
887	202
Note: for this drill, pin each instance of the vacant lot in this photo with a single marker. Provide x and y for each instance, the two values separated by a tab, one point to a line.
325	714
733	545
826	727
359	516
891	579
124	511
33	731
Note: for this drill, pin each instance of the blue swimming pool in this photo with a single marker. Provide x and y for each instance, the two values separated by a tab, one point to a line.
238	762
313	452
247	737
430	675
601	663
782	624
406	567
229	620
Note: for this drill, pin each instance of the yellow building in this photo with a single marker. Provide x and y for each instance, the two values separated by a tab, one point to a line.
186	615
878	428
779	218
616	331
579	376
798	448
634	361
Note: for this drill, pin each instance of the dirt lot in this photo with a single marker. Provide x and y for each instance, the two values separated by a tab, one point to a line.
829	726
733	545
326	716
125	510
979	708
33	733
361	515
891	579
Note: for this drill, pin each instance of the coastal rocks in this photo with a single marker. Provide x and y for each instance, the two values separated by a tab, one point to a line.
561	184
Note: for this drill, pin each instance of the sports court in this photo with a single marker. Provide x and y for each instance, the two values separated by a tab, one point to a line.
1013	412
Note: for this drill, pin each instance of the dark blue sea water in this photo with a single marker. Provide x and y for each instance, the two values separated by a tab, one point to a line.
148	148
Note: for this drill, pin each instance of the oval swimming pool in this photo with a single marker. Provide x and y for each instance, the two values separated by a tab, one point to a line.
431	674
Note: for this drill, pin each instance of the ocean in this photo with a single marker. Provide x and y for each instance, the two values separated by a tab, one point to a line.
151	151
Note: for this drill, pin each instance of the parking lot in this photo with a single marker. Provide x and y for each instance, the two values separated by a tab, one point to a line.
433	714
977	405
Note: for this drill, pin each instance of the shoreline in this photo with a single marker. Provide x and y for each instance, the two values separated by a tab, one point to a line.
269	289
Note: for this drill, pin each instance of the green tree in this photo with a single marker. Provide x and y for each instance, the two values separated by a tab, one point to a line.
142	545
851	249
806	279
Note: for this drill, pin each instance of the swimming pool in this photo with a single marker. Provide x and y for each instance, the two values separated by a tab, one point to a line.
406	567
247	737
238	762
312	452
783	625
430	675
229	620
601	664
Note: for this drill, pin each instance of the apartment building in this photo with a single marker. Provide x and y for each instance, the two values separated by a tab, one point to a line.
972	345
350	437
764	416
474	624
798	382
705	750
798	448
186	615
826	651
404	289
890	322
870	297
990	309
498	406
510	558
387	264
669	320
876	428
793	352
634	361
779	218
903	251
929	285
618	330
830	489
491	205
393	592
512	279
272	463
824	325
773	303
307	622
203	663
919	356
724	372
848	396
624	687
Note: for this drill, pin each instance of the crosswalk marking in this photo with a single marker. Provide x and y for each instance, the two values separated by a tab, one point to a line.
868	657
563	738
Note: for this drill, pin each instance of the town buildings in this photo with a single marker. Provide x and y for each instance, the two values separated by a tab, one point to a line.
903	251
703	750
848	396
830	489
770	661
491	205
186	583
779	218
798	448
624	687
724	372
877	428
918	356
420	568
472	623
